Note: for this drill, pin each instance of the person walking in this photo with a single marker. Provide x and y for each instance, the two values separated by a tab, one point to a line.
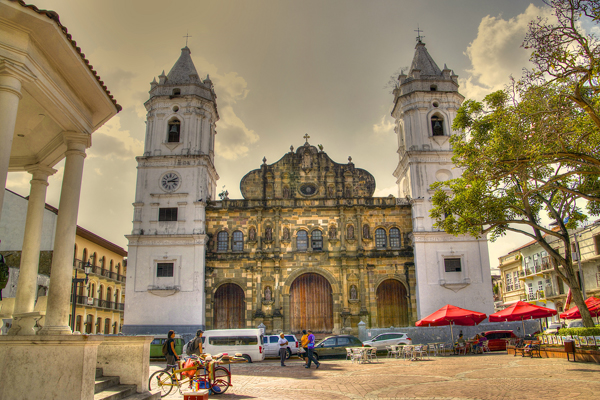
304	345
309	350
171	355
196	344
282	348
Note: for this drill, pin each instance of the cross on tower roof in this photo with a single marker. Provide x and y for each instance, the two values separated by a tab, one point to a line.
419	37
306	137
187	35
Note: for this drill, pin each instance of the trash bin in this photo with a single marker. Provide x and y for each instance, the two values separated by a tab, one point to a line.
570	348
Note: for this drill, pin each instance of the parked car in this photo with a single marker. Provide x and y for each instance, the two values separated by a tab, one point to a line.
249	342
553	328
497	339
388	339
575	323
335	345
272	345
157	344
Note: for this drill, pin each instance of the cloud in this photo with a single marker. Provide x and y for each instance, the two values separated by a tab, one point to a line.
385	192
112	142
384	127
233	138
496	52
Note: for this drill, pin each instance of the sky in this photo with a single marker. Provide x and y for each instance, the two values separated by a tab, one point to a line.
281	69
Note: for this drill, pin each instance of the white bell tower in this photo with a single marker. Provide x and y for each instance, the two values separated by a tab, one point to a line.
450	270
176	175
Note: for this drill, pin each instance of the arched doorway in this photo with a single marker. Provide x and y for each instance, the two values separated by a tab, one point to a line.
311	304
392	304
229	307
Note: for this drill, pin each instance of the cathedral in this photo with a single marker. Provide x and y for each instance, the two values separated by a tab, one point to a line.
308	246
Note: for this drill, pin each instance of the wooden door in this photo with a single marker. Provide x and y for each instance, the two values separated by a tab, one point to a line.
392	304
229	307
311	304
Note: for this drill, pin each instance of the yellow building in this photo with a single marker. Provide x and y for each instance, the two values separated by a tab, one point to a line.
510	270
100	303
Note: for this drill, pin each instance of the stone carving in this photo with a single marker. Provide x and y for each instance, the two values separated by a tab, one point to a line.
268	233
350	232
286	192
268	293
252	234
366	231
332	232
353	293
286	234
330	191
306	160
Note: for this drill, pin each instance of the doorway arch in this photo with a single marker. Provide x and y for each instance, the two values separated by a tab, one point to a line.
392	304
229	302
311	304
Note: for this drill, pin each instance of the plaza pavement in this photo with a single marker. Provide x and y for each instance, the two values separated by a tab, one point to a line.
487	376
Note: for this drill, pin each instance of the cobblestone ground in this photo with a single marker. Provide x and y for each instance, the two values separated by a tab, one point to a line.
488	376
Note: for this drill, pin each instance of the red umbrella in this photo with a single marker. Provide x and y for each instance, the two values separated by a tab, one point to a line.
593	305
452	315
521	311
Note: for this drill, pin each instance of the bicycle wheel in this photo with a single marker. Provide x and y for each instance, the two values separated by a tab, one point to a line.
222	380
162	381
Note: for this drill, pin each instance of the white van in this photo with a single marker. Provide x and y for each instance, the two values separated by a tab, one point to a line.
249	342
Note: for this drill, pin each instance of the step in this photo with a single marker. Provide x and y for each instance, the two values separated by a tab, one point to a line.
105	382
116	392
144	396
99	372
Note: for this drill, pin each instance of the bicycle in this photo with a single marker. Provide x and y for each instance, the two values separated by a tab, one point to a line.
217	382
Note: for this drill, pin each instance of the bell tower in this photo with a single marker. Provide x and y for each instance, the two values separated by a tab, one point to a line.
450	270
176	176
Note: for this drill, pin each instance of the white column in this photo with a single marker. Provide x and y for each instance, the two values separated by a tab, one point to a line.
10	94
61	273
30	255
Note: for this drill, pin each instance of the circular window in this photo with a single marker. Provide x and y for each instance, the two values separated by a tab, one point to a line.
435	104
308	189
175	108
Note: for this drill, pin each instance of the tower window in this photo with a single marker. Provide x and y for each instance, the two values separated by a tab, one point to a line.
174	129
302	241
164	270
176	92
437	127
380	238
452	264
167	214
238	241
317	240
222	239
433	88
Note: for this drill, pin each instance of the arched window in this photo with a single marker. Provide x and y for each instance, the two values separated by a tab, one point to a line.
99	325
238	241
117	299
395	238
222	239
84	258
380	238
173	131
111	266
109	295
316	239
102	262
115	327
75	256
78	323
94	259
92	290
89	323
302	240
118	268
101	292
437	126
107	326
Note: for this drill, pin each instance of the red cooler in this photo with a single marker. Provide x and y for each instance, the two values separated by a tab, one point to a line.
201	394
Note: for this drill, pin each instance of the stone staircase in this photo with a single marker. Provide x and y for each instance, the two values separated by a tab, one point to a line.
110	388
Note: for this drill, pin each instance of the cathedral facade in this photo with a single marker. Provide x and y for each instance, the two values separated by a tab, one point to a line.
308	246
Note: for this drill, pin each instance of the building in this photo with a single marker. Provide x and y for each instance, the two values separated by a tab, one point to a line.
308	245
511	290
450	270
99	304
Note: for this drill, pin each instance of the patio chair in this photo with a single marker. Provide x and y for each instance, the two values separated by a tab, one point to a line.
445	349
392	351
423	351
433	349
407	352
485	347
461	348
348	353
372	353
399	350
357	355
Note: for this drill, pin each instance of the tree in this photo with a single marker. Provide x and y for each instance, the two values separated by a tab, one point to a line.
533	148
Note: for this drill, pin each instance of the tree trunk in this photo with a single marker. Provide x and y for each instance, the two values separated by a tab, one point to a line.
573	284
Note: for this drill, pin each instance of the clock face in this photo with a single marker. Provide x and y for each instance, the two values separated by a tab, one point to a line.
170	181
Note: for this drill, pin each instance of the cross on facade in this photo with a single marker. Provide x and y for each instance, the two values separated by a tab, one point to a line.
306	137
187	35
419	37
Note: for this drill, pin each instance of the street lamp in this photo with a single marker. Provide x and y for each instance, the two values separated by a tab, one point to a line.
87	269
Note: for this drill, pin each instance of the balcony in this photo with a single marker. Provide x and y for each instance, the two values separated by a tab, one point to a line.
105	304
99	271
539	295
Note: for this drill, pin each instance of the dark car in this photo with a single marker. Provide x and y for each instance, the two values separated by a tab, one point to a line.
497	339
335	345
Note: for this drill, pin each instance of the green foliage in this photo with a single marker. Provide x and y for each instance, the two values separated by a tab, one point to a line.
595	331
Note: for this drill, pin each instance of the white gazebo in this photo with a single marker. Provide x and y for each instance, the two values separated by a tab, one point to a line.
51	101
